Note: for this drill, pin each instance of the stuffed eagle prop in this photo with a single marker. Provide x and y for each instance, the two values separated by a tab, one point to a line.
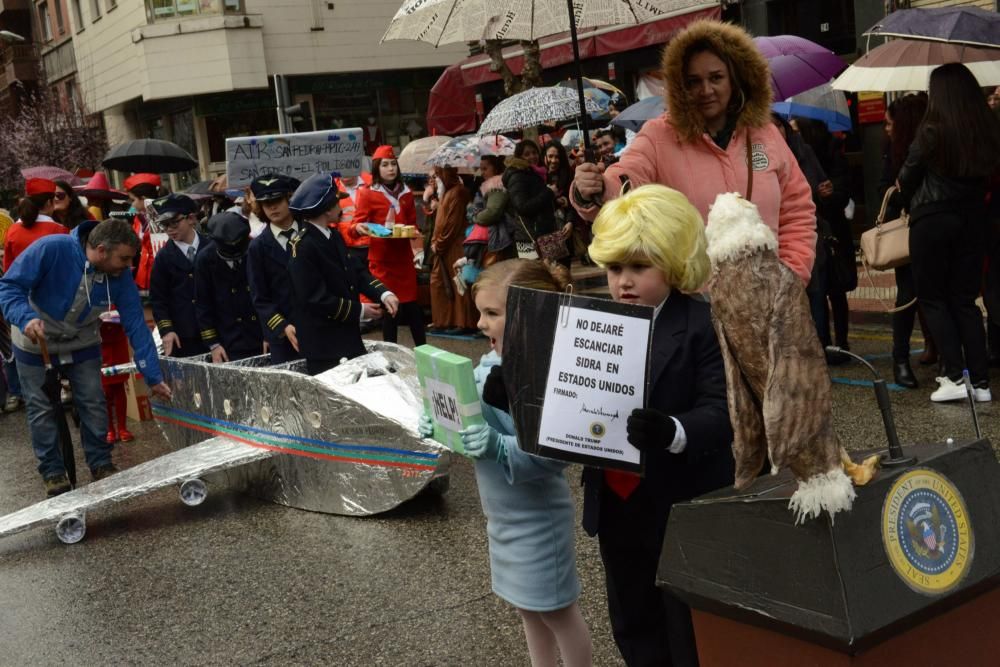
778	386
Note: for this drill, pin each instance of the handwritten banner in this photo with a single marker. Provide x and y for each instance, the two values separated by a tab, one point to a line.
298	155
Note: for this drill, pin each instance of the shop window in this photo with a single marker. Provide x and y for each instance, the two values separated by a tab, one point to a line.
160	10
45	21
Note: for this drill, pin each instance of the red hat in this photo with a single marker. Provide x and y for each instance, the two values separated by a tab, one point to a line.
142	179
39	186
384	153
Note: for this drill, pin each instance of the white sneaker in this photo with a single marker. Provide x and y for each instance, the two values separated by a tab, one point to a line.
948	391
983	395
13	403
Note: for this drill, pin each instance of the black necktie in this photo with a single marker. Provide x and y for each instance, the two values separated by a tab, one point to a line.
288	233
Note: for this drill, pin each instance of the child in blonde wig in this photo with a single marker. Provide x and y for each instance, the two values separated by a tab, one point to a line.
526	499
651	241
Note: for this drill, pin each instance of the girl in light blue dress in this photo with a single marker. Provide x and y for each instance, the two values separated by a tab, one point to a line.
526	499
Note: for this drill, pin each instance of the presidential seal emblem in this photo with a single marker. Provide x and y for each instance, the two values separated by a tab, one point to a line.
597	430
926	532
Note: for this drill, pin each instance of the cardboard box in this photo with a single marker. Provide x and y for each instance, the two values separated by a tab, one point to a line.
137	397
450	394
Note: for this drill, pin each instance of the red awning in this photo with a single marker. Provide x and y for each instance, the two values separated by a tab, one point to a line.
451	109
557	50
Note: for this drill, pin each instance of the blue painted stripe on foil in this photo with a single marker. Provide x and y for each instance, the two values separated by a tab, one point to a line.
865	383
297	438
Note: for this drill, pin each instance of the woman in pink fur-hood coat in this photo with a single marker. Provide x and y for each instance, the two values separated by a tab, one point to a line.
675	150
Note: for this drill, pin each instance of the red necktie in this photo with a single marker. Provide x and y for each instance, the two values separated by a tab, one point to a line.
622	483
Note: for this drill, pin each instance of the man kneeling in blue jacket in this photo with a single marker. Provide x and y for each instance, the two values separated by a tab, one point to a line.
57	290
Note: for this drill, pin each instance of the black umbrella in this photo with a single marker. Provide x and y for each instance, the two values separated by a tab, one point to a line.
149	156
52	387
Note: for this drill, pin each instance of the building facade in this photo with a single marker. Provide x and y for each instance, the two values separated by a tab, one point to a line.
197	71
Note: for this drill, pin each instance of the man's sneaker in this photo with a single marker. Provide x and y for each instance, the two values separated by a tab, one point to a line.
13	403
57	485
983	395
100	472
948	390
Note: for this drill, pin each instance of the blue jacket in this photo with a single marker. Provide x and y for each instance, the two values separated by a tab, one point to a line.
49	272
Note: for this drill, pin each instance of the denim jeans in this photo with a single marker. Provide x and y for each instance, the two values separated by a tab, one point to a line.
13	383
88	397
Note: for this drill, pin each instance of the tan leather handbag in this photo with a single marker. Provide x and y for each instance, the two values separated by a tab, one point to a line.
887	244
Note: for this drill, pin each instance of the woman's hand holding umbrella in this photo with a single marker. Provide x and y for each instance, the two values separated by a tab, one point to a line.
589	181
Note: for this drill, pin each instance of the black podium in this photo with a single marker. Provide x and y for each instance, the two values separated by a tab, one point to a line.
907	577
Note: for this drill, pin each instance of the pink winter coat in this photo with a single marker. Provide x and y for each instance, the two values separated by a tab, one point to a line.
701	170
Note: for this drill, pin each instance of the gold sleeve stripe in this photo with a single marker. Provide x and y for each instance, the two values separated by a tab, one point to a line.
340	307
347	315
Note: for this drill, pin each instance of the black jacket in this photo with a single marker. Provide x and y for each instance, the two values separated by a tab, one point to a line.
171	291
326	287
270	285
530	199
687	381
223	306
926	190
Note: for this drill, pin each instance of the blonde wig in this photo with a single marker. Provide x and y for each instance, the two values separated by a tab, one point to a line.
653	225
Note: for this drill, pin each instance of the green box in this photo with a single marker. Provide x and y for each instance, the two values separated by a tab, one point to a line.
450	395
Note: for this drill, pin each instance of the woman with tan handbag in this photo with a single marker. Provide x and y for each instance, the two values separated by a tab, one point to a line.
944	184
901	121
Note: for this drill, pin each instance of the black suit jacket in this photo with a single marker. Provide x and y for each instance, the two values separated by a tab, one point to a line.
171	290
326	306
270	284
687	381
222	304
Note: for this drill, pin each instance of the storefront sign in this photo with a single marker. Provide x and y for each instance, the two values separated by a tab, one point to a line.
871	107
299	155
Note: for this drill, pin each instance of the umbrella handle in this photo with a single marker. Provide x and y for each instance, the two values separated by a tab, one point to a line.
45	353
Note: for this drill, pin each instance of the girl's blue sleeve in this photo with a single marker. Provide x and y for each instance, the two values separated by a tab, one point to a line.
519	467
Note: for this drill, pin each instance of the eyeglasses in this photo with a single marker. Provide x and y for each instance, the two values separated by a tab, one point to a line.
59	196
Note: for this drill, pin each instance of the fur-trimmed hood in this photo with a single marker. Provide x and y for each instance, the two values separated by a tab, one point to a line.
750	66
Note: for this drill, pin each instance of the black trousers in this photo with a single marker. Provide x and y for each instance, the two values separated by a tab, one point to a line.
410	314
991	291
317	366
947	250
282	351
902	320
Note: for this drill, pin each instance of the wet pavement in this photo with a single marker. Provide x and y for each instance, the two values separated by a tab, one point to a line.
241	581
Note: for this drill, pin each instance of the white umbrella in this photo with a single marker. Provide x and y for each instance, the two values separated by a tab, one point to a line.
448	21
906	64
414	155
532	107
467	150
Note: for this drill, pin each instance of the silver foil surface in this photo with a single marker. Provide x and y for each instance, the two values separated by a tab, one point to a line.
343	442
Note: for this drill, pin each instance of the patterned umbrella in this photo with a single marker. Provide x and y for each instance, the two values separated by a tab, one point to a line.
822	103
466	151
601	92
535	106
413	158
965	25
797	65
906	64
50	173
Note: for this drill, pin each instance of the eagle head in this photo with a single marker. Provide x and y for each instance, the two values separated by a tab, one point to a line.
735	229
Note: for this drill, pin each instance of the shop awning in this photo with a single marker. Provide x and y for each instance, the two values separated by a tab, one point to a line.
452	106
557	50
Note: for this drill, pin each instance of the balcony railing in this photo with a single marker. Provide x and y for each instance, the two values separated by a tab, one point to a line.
17	52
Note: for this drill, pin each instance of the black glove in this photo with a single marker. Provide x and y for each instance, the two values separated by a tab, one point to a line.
495	391
650	430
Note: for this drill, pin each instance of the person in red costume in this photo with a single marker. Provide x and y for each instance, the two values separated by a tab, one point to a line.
34	219
114	351
143	189
387	201
357	243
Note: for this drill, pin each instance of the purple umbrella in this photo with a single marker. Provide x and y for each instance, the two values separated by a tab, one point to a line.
797	65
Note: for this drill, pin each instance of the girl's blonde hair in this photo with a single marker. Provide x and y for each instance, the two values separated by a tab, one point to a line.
530	273
657	225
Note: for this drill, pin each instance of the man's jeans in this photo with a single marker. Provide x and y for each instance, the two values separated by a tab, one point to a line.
88	397
13	382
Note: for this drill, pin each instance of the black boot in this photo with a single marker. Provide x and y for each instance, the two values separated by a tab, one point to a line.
903	374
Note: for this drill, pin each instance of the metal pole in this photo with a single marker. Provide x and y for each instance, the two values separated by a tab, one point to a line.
279	83
584	120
